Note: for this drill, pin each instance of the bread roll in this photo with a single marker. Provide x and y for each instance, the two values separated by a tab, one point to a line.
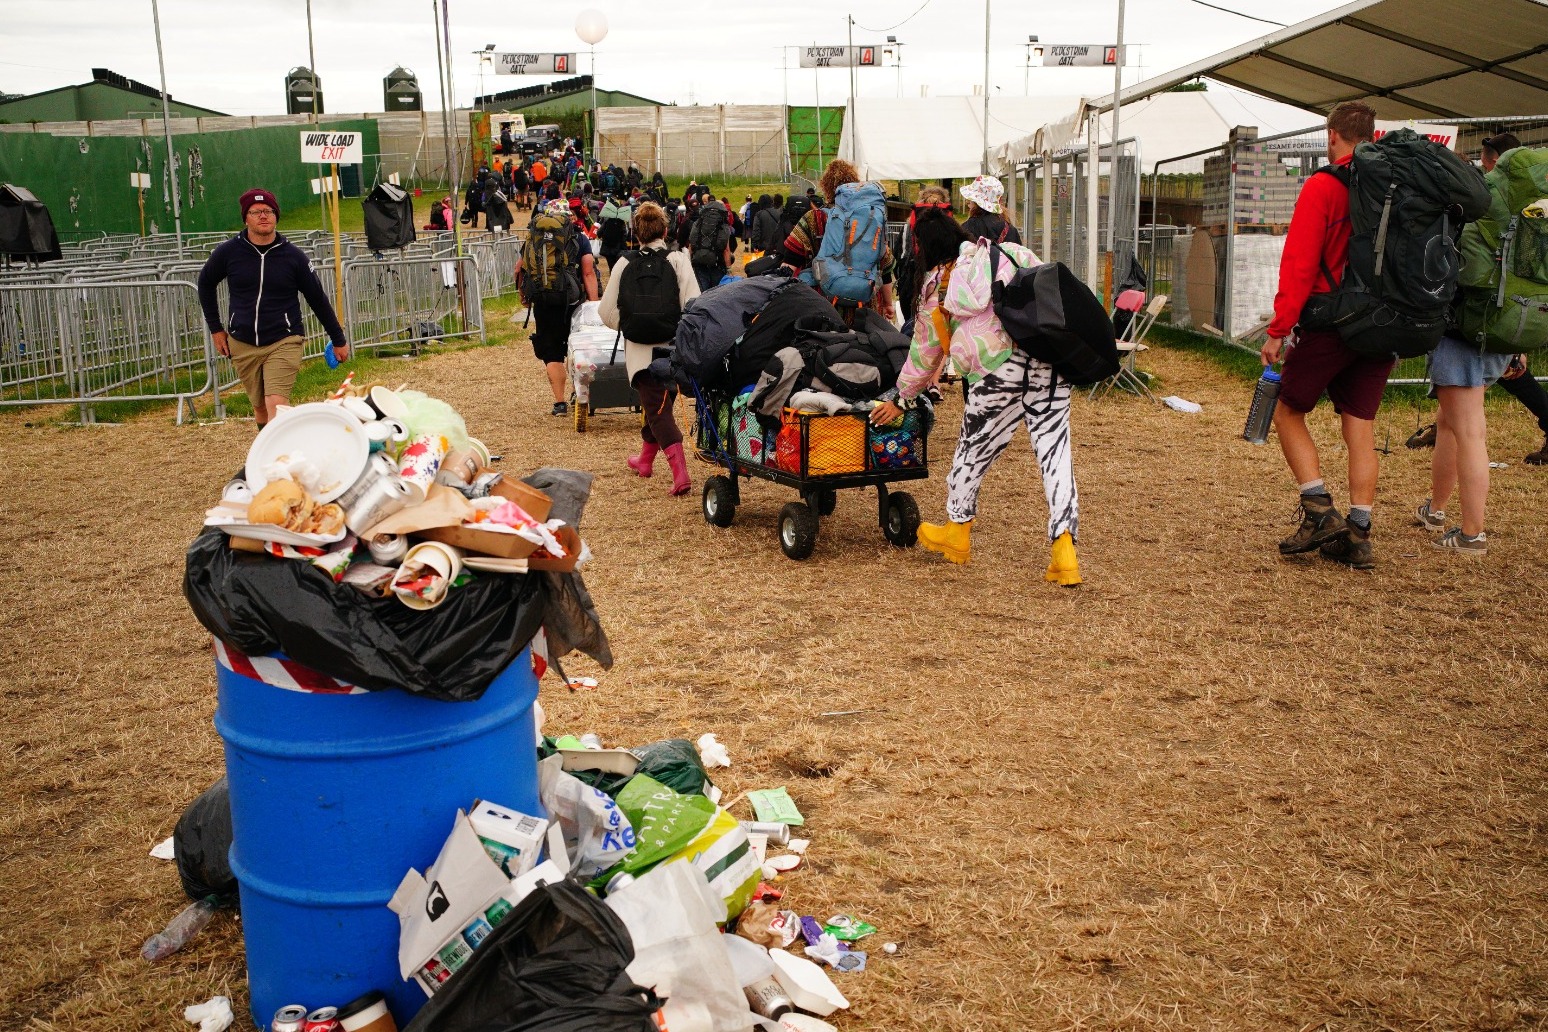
283	503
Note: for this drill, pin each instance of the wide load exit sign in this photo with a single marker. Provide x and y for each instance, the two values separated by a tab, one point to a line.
318	148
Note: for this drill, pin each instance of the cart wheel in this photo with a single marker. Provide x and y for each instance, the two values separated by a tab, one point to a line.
827	501
797	530
719	502
902	524
581	413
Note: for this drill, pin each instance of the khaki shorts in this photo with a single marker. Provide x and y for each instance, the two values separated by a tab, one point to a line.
267	372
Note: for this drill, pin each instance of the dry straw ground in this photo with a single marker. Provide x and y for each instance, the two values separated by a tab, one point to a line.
1207	790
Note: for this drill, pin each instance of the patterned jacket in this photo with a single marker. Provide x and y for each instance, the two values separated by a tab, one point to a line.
961	318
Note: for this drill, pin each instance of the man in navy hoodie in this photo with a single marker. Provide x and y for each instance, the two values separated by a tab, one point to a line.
264	335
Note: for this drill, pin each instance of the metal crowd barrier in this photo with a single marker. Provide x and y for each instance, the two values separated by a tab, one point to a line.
86	343
119	318
392	301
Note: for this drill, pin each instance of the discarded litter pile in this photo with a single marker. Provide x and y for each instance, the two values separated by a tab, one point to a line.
674	912
396	472
636	903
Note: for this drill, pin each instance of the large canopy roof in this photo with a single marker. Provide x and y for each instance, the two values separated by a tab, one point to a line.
1409	59
1166	125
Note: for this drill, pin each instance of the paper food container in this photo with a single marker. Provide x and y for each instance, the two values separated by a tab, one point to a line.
807	985
537	504
572	549
485	542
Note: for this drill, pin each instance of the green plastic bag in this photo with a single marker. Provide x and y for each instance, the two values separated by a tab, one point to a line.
673	762
664	822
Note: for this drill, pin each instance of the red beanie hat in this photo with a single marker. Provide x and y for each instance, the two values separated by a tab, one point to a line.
253	197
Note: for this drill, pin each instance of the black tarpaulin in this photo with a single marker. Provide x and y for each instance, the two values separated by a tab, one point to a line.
389	217
26	228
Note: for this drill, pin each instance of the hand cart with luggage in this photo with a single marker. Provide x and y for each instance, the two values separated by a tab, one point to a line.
595	364
818	455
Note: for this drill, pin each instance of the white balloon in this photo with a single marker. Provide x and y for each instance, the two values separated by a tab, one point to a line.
591	26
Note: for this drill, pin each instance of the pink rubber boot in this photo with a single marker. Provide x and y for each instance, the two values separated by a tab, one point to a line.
645	462
681	484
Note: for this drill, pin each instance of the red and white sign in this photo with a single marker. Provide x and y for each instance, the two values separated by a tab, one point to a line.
1445	135
329	148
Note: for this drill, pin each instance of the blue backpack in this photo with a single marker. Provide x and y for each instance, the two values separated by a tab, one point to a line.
847	265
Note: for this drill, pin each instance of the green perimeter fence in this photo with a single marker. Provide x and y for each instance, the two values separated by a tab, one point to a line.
88	182
812	143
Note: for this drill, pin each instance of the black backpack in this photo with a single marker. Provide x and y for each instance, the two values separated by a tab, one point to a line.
1055	318
710	235
795	209
613	232
648	305
1408	200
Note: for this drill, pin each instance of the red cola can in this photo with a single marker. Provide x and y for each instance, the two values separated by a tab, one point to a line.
288	1019
323	1019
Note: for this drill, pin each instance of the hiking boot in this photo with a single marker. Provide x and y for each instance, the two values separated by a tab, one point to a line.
1540	456
1424	437
953	540
1320	523
560	409
1062	566
1456	541
1353	549
1433	520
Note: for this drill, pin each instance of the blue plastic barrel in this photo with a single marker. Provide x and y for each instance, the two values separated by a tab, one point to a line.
333	799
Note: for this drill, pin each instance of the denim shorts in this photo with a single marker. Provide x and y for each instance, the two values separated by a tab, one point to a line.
1454	363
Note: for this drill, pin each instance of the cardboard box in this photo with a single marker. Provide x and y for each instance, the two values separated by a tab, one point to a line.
513	840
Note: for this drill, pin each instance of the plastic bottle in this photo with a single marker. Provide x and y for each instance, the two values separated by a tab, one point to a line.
1260	417
180	930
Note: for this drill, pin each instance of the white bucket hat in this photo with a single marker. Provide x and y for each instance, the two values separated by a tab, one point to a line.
987	193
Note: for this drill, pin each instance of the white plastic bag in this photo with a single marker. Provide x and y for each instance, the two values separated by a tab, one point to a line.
596	833
670	912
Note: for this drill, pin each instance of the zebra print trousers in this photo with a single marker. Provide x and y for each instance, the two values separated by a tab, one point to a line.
1020	390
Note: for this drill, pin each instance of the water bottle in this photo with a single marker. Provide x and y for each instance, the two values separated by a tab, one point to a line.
180	930
1261	415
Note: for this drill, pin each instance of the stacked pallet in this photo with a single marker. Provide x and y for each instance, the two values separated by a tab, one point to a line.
1264	192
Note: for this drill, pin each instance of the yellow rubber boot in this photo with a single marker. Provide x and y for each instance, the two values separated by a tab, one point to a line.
953	540
1063	569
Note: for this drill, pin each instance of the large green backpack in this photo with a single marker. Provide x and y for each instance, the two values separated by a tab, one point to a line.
1505	258
547	271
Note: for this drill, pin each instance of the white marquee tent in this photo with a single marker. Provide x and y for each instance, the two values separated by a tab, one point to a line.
939	137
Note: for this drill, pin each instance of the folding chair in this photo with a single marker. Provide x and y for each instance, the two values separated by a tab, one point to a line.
1130	344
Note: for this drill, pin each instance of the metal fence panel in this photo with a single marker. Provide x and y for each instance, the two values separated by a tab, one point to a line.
388	300
91	342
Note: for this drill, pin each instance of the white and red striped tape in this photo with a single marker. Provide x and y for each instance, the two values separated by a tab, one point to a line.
282	673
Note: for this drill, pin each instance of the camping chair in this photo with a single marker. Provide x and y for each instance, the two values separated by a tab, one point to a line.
1131	343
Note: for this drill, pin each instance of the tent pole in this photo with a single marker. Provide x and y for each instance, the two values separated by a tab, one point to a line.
166	126
986	89
1112	209
1093	198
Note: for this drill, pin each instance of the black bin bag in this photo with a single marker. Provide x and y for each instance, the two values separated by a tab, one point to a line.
555	964
258	604
201	843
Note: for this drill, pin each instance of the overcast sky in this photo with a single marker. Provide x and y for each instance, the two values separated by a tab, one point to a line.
233	56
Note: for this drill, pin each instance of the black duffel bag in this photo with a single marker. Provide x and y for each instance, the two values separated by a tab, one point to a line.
1055	318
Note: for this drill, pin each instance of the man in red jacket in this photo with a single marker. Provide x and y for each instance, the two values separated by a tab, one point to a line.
1318	362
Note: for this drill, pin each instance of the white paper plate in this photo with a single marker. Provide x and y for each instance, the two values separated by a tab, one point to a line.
268	532
330	439
494	564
